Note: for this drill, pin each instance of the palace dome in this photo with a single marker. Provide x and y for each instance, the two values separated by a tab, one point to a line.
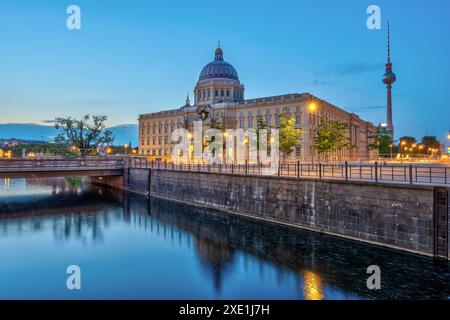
219	68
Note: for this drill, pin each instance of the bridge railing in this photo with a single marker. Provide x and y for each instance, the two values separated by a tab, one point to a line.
46	163
374	172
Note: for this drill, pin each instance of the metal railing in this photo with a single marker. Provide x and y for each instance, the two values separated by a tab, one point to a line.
33	164
373	172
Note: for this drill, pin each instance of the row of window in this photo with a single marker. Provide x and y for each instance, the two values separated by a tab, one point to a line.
267	119
153	140
157	152
205	94
168	152
314	119
167	128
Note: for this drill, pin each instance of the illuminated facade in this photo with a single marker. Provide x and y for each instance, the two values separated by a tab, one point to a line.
220	94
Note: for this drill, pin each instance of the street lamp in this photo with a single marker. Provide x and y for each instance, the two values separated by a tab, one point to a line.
312	106
391	146
420	150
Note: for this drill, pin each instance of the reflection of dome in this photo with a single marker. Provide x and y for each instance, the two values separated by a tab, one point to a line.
219	68
217	257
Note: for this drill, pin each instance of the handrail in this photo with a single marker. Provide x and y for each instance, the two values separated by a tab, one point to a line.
59	163
414	174
376	172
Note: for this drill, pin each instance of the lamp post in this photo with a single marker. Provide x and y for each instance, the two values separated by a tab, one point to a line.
312	108
448	137
391	146
225	147
413	147
400	149
420	150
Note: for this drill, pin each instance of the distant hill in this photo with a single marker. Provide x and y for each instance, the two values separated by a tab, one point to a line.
124	134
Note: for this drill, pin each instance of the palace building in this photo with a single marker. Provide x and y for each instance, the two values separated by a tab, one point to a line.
220	94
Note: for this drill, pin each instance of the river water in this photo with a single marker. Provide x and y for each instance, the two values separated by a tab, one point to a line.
131	247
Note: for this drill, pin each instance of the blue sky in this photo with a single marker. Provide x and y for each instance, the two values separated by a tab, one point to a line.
135	57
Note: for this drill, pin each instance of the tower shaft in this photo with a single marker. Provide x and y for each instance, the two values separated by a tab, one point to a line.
389	121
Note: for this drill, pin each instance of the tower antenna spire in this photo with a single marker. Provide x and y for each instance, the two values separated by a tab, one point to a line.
389	42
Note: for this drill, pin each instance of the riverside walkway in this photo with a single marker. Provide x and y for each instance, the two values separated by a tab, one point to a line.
378	172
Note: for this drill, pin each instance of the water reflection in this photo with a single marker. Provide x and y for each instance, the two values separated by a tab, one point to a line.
313	287
132	247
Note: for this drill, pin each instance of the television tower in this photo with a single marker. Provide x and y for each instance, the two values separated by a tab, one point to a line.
388	79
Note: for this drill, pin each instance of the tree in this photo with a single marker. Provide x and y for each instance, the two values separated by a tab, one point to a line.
381	140
431	142
331	135
406	143
288	134
48	149
85	134
260	125
409	140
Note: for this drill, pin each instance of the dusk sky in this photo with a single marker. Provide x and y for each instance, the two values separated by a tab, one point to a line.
133	57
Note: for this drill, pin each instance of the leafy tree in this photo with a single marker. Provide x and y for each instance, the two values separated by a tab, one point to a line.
260	125
213	124
288	134
409	140
331	135
381	140
85	133
47	149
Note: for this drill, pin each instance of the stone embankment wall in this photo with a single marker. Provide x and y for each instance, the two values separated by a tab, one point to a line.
412	218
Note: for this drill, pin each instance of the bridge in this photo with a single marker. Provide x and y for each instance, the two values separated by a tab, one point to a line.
47	167
378	172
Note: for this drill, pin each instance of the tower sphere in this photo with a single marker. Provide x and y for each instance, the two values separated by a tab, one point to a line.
389	77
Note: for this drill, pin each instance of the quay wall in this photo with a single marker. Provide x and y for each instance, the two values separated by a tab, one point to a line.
406	217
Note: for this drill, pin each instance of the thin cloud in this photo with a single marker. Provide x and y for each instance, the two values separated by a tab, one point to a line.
347	68
366	108
317	82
